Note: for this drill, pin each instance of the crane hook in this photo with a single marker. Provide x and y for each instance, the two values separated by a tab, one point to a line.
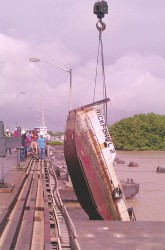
100	25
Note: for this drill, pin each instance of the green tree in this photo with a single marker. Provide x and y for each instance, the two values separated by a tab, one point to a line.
140	132
59	133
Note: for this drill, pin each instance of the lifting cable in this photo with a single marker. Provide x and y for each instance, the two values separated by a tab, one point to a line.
101	8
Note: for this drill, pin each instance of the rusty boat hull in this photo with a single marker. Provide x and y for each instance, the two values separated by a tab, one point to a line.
89	155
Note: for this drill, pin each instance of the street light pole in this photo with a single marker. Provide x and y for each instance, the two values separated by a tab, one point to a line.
42	110
33	59
38	117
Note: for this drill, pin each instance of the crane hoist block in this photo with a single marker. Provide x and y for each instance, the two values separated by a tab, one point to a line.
100	9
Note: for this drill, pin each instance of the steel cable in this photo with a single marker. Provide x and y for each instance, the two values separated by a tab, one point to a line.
101	54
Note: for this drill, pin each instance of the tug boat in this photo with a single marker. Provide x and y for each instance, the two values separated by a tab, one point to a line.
89	154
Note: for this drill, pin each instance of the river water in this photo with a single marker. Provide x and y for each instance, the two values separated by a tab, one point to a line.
149	204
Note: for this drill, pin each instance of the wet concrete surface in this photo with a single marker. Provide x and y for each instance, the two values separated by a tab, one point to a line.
117	235
113	235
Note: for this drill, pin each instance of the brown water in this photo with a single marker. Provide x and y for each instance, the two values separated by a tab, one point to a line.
149	204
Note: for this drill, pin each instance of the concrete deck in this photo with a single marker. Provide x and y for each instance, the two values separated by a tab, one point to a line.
116	235
113	235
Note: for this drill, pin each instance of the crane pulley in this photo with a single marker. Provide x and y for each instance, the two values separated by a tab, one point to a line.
100	9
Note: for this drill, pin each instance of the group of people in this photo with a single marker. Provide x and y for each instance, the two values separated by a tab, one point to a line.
32	142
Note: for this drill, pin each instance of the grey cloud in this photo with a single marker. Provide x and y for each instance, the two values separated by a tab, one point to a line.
65	33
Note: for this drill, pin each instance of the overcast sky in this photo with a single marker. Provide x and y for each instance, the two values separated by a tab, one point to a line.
64	33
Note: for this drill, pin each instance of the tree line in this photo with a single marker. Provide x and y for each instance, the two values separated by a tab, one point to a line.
140	132
51	133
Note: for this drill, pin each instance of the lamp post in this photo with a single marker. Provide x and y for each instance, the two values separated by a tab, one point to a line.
33	59
38	117
42	110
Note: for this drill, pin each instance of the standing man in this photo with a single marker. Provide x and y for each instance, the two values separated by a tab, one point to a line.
15	133
23	151
41	146
33	143
28	134
8	134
